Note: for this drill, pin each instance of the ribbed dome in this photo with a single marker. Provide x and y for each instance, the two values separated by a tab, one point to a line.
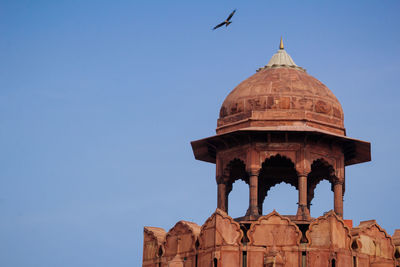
281	94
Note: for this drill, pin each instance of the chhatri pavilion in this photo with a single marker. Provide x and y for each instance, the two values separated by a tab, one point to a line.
279	125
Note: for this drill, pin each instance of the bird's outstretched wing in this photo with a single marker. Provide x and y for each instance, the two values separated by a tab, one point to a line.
219	25
231	15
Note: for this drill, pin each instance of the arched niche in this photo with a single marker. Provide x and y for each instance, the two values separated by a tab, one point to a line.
181	240
320	170
282	197
275	170
154	238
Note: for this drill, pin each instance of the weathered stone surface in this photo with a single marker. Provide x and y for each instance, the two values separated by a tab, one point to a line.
274	230
273	239
180	244
329	231
220	229
329	241
154	238
222	235
374	242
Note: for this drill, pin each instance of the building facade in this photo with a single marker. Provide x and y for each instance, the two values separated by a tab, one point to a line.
279	125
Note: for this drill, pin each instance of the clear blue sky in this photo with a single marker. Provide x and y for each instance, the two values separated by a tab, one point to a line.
99	101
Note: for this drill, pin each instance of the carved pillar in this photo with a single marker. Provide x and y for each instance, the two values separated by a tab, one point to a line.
222	196
253	203
223	188
338	197
228	190
303	212
253	166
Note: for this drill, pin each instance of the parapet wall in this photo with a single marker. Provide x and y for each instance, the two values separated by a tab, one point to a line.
272	240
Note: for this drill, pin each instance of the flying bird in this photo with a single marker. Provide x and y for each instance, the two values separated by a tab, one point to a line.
226	22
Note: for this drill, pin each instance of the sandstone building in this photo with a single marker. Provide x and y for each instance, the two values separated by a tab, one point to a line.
279	125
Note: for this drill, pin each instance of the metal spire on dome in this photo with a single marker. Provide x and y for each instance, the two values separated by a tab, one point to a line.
281	44
281	59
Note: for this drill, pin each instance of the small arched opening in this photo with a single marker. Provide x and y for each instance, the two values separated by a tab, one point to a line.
397	253
274	171
237	175
281	197
322	175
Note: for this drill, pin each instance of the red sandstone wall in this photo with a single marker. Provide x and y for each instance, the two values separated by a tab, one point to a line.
272	240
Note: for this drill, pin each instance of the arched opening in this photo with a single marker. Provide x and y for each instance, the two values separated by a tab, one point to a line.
281	197
322	202
322	174
238	200
196	258
397	253
275	170
160	252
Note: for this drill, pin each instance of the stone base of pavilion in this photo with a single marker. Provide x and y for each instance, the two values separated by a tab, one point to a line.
271	240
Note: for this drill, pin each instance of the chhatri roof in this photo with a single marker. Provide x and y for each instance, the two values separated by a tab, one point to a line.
281	59
279	94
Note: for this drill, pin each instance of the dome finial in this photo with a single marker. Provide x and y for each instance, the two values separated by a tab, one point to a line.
281	44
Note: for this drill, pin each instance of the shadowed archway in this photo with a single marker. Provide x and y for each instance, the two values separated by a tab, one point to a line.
320	170
275	170
235	170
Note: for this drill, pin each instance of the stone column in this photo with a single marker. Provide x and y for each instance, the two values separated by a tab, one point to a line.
338	198
253	205
222	195
302	212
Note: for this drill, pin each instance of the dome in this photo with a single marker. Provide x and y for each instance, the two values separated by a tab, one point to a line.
281	94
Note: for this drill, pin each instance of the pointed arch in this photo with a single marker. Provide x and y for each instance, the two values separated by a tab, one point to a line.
234	170
275	170
320	170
